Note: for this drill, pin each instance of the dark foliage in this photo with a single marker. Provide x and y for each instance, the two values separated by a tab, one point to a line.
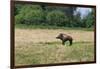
52	16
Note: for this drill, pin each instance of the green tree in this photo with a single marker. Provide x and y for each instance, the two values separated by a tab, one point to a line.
89	20
56	18
77	20
29	14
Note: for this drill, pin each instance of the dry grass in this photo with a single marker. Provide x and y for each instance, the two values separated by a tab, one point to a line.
46	35
39	46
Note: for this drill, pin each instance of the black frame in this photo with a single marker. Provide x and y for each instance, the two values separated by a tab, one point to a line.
12	57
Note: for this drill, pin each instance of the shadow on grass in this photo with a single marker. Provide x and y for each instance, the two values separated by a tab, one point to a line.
67	43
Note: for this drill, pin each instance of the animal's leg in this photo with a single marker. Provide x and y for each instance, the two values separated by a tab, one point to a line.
71	41
63	42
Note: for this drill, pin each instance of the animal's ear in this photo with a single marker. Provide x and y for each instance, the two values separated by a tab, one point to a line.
61	34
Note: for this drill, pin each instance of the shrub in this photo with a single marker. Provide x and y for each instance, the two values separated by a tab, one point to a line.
56	18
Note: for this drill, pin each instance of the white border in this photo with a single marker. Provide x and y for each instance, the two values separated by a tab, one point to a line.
5	34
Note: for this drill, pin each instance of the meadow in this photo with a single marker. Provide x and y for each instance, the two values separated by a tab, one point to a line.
40	46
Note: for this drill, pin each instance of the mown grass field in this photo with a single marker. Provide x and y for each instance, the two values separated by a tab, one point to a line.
40	46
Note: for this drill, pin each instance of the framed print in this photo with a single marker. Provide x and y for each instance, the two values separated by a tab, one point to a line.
50	34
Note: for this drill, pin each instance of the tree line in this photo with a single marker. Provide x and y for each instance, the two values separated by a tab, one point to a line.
52	16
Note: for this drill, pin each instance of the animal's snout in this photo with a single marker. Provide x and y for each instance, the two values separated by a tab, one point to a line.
56	37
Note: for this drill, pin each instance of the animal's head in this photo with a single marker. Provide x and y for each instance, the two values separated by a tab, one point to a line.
60	36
